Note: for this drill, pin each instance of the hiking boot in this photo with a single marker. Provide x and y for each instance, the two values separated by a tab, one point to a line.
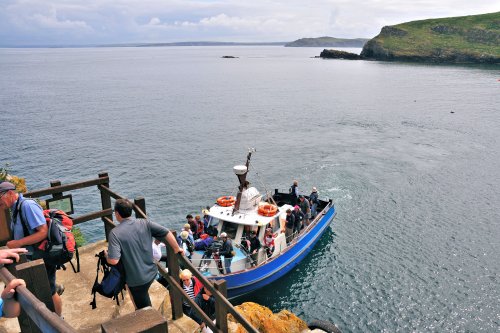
59	289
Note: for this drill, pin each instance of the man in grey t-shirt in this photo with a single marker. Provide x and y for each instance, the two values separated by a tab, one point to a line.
130	241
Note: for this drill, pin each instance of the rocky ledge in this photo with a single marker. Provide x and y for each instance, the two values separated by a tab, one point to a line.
335	54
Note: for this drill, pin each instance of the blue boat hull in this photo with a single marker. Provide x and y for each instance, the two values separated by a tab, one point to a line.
244	282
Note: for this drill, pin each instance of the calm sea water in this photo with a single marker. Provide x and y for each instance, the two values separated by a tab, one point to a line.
409	153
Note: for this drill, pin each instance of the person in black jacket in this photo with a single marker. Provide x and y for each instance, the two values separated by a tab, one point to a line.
226	251
206	301
254	247
290	223
294	191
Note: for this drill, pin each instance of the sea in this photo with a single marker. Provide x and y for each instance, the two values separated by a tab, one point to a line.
409	153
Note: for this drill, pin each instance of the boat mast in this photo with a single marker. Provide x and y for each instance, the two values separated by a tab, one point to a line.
243	181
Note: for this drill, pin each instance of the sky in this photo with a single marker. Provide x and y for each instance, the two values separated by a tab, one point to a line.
96	22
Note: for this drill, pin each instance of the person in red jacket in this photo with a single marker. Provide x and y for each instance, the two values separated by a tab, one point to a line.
192	286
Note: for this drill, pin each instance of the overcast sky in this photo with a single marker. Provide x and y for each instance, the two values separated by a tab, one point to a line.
82	22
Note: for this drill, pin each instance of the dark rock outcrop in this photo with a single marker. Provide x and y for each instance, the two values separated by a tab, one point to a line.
335	54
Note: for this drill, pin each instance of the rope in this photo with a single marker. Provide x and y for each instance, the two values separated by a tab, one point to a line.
268	194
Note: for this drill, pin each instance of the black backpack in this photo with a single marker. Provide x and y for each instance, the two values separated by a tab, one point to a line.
113	280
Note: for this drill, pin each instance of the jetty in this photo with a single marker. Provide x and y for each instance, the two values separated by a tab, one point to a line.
164	316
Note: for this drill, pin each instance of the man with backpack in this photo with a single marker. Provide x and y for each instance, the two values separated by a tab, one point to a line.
29	228
130	243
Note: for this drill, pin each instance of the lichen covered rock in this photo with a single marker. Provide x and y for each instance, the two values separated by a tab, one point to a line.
266	321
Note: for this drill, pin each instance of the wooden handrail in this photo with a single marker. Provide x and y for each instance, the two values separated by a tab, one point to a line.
173	283
106	189
45	319
92	216
208	285
67	187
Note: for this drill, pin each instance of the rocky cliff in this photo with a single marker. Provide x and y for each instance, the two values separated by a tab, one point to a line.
466	39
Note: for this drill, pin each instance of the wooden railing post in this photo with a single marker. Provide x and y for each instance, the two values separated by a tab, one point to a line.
141	203
37	282
173	271
56	183
220	308
106	204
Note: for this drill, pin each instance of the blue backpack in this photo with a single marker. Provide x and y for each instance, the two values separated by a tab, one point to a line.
113	280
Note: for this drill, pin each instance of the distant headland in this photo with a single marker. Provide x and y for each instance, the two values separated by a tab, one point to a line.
328	42
465	39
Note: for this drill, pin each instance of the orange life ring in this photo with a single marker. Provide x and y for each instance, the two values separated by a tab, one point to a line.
226	201
267	209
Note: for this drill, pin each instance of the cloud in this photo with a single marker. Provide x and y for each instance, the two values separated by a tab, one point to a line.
51	21
121	21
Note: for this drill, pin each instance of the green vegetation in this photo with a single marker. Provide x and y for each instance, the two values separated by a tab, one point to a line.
327	42
466	39
79	238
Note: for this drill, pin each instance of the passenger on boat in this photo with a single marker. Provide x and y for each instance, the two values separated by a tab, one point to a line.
192	286
187	228
299	218
290	223
200	227
306	209
294	191
206	218
269	242
206	301
186	245
202	243
227	251
254	247
192	224
314	201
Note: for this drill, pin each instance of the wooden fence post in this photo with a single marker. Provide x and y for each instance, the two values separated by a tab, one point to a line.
220	308
106	204
173	271
55	183
35	276
141	203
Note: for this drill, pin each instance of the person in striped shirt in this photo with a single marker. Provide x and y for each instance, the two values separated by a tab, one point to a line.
192	286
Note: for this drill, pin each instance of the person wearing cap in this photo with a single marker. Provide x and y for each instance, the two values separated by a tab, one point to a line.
28	228
186	244
130	243
305	208
226	251
186	227
314	201
254	247
294	191
206	217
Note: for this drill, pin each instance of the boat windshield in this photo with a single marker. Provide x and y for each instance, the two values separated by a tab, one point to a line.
230	229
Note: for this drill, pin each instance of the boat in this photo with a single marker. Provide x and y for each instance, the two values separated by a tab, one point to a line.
248	211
